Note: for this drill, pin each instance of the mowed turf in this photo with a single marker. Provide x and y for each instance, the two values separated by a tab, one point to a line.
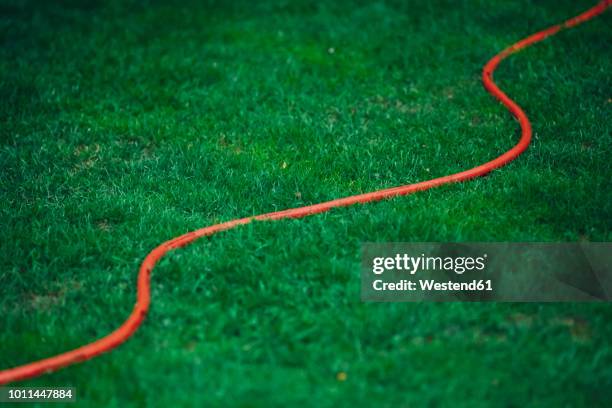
124	124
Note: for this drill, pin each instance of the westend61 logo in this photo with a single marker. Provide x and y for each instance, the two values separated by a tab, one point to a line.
412	264
486	271
407	265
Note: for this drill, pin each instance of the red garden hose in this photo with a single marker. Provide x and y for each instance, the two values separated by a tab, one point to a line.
143	297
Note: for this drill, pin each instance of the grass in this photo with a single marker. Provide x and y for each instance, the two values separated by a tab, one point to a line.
127	123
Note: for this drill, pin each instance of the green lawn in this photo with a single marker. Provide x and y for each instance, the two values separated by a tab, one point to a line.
124	124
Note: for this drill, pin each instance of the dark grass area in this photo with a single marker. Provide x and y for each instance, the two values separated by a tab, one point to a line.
124	124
